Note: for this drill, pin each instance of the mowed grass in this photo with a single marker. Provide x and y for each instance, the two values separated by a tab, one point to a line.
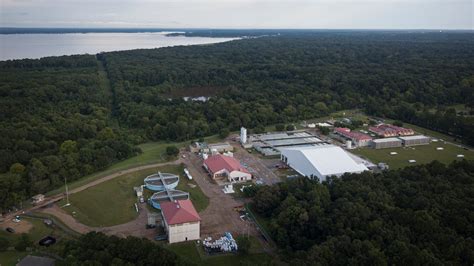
189	250
11	258
38	231
422	154
112	202
152	152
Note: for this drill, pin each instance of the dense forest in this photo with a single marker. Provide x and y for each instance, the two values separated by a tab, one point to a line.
55	123
420	215
70	116
271	80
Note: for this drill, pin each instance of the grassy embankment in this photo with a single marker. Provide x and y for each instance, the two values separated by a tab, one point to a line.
112	202
152	152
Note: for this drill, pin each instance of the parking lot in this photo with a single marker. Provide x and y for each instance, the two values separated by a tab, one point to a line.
220	216
261	169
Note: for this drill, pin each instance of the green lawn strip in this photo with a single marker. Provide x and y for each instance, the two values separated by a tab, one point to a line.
57	223
262	222
108	203
422	154
112	202
189	250
11	258
200	201
152	152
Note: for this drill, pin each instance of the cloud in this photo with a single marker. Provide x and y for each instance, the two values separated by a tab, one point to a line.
446	14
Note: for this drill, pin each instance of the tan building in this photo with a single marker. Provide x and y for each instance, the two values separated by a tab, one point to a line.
181	221
224	166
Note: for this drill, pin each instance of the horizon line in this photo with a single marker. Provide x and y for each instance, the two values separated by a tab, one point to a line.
230	28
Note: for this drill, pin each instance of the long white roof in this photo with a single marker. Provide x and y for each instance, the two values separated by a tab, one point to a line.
322	160
417	137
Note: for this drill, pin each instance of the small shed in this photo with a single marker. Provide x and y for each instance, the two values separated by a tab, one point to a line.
37	199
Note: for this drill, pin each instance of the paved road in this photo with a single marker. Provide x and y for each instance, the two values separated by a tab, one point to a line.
133	228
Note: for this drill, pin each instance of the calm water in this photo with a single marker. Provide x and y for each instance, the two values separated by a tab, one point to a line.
19	46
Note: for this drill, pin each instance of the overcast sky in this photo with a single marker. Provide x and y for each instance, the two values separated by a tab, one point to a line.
317	14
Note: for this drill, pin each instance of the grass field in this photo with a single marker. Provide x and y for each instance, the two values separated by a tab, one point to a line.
422	154
190	251
153	152
11	258
112	202
37	232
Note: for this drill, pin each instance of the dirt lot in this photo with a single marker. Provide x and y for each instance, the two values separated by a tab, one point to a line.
22	227
133	228
262	169
219	216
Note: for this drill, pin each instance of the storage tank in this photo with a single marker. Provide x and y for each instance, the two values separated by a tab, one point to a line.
349	144
243	135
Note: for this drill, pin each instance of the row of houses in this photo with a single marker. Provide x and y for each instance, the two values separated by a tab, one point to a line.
359	139
387	131
402	137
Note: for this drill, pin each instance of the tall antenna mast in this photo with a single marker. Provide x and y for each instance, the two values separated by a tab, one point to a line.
67	194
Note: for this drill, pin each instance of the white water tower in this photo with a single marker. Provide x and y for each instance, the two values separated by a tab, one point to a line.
349	144
243	135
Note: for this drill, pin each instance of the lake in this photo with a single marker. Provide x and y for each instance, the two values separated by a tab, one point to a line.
20	46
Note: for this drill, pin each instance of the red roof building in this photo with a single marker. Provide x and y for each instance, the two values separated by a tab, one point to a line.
359	139
387	130
225	166
182	222
179	211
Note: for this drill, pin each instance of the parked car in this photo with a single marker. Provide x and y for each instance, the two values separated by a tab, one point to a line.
10	230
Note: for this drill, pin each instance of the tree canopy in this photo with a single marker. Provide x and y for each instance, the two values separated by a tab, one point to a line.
71	116
416	216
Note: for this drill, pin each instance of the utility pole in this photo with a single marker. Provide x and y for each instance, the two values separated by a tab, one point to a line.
67	194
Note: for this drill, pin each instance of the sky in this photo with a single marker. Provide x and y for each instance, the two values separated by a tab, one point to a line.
301	14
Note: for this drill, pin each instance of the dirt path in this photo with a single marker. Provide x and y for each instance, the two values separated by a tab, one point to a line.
128	171
132	228
55	198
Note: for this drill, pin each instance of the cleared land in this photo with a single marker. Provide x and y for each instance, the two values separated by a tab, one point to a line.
152	152
112	202
422	154
37	230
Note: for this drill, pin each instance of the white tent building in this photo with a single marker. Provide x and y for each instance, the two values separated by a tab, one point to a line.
320	161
